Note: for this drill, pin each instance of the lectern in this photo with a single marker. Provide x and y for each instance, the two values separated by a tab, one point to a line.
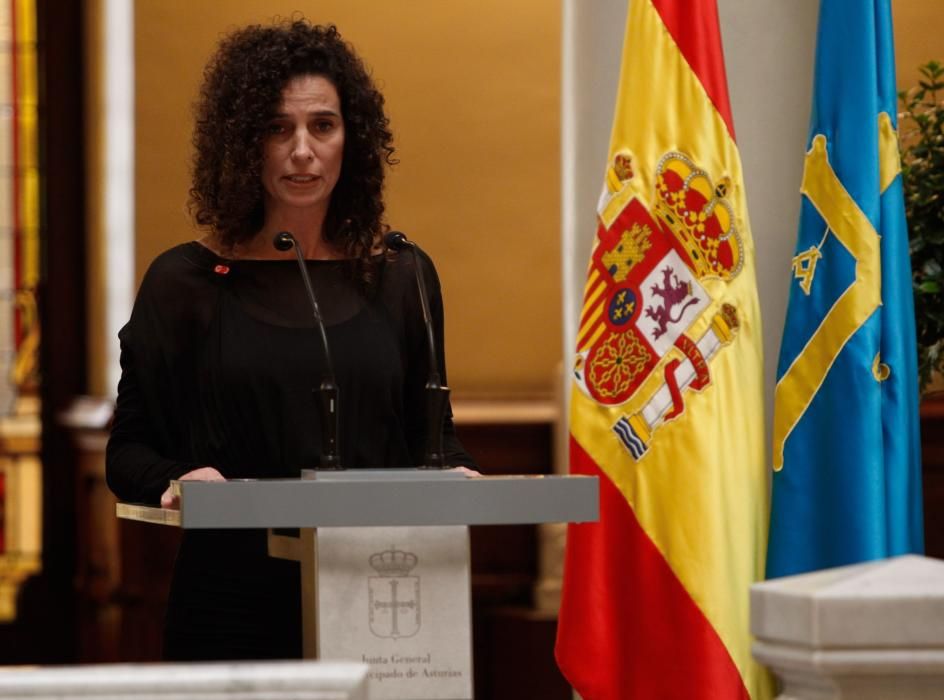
384	558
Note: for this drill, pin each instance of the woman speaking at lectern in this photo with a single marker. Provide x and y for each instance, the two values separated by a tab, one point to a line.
221	354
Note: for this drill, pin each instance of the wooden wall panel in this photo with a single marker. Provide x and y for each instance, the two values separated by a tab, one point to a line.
932	457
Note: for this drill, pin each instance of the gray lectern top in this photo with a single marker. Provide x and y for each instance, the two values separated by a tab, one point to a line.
377	497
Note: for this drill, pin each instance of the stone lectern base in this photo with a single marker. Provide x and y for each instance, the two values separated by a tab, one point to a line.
398	599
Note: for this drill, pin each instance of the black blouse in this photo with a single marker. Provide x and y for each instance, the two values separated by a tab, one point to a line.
219	361
220	358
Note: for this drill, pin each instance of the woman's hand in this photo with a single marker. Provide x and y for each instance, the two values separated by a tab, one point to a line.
468	472
171	500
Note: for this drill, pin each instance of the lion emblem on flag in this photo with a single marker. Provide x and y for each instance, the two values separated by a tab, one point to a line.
646	301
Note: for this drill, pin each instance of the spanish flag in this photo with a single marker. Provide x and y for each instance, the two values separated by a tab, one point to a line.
667	405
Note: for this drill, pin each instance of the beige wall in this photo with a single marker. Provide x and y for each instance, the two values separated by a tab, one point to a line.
919	37
472	88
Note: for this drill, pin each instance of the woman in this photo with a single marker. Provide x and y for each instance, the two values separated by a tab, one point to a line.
219	358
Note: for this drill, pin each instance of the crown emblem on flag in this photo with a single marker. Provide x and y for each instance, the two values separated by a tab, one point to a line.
393	562
699	215
620	171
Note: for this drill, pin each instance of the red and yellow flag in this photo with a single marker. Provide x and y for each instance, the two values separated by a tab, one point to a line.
667	400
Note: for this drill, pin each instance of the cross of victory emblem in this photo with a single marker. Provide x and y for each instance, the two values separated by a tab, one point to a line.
393	596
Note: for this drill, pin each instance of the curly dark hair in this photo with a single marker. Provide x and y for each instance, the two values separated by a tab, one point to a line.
242	90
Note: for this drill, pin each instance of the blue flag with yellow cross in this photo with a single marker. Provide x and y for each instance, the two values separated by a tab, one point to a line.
846	449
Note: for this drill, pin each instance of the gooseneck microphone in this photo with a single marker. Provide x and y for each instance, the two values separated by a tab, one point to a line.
326	395
437	395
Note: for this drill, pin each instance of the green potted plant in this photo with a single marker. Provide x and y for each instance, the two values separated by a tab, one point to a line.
921	128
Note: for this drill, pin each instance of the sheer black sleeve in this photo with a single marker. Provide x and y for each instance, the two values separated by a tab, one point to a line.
148	445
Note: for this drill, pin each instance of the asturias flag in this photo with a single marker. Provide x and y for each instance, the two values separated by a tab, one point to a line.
846	452
667	400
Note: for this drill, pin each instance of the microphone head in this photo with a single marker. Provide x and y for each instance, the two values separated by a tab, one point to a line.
397	241
283	241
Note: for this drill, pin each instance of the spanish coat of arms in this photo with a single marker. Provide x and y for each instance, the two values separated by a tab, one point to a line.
646	295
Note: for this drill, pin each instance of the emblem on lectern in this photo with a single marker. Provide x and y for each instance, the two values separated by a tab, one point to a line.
393	596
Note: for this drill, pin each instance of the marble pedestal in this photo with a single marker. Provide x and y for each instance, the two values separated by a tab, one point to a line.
868	631
273	680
